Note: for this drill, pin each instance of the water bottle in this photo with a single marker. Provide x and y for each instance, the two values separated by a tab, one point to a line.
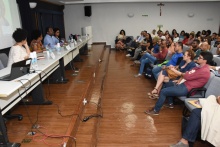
34	60
58	49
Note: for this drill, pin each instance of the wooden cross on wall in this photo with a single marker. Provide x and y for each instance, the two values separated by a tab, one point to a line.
160	4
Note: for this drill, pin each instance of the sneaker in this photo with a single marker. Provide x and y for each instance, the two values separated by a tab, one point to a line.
129	50
132	59
151	112
179	144
128	55
137	62
147	75
171	106
138	75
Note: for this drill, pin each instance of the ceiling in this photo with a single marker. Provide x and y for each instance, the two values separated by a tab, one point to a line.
68	2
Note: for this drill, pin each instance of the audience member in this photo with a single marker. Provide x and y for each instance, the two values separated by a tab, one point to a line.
190	39
218	50
173	61
153	57
36	44
186	37
195	78
195	45
20	51
153	34
185	65
203	33
176	37
120	41
204	48
144	44
174	32
141	37
182	33
198	120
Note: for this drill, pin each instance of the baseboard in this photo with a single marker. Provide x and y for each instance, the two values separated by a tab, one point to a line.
108	46
97	43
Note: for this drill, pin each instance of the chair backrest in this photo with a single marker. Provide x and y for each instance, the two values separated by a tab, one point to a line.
213	88
1	65
212	75
212	43
213	50
4	59
217	60
185	48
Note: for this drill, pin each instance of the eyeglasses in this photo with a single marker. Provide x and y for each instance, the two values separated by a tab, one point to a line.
201	57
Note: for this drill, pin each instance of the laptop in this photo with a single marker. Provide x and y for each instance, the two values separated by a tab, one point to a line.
18	69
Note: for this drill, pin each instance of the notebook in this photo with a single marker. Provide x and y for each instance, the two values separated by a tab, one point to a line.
18	69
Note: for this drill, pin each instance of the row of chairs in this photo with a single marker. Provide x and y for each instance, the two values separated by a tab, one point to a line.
211	88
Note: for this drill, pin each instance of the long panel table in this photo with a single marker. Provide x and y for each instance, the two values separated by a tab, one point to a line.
12	92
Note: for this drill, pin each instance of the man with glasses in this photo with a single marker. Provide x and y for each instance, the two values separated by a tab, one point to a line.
195	78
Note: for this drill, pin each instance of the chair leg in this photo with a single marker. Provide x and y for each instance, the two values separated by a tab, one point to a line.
9	116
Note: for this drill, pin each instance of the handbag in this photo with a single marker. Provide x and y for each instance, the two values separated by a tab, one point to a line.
171	74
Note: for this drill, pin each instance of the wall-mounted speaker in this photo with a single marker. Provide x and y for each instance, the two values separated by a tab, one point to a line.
88	11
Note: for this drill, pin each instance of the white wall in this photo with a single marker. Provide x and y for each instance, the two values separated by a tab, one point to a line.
109	18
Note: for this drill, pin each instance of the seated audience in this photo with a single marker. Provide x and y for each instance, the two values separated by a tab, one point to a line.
153	34
173	61
215	70
190	39
218	50
204	48
171	47
153	57
208	36
195	78
20	51
49	39
154	46
186	37
182	33
202	119
36	44
120	41
186	64
198	34
174	32
176	37
144	45
195	46
203	33
217	42
140	38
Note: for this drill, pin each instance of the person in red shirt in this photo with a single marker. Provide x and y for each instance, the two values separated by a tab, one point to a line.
195	78
186	38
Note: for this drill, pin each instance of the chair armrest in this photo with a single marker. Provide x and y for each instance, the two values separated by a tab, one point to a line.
195	90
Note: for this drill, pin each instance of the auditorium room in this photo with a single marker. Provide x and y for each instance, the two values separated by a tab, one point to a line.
109	73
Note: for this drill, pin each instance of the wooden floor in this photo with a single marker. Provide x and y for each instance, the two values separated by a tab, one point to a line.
122	98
